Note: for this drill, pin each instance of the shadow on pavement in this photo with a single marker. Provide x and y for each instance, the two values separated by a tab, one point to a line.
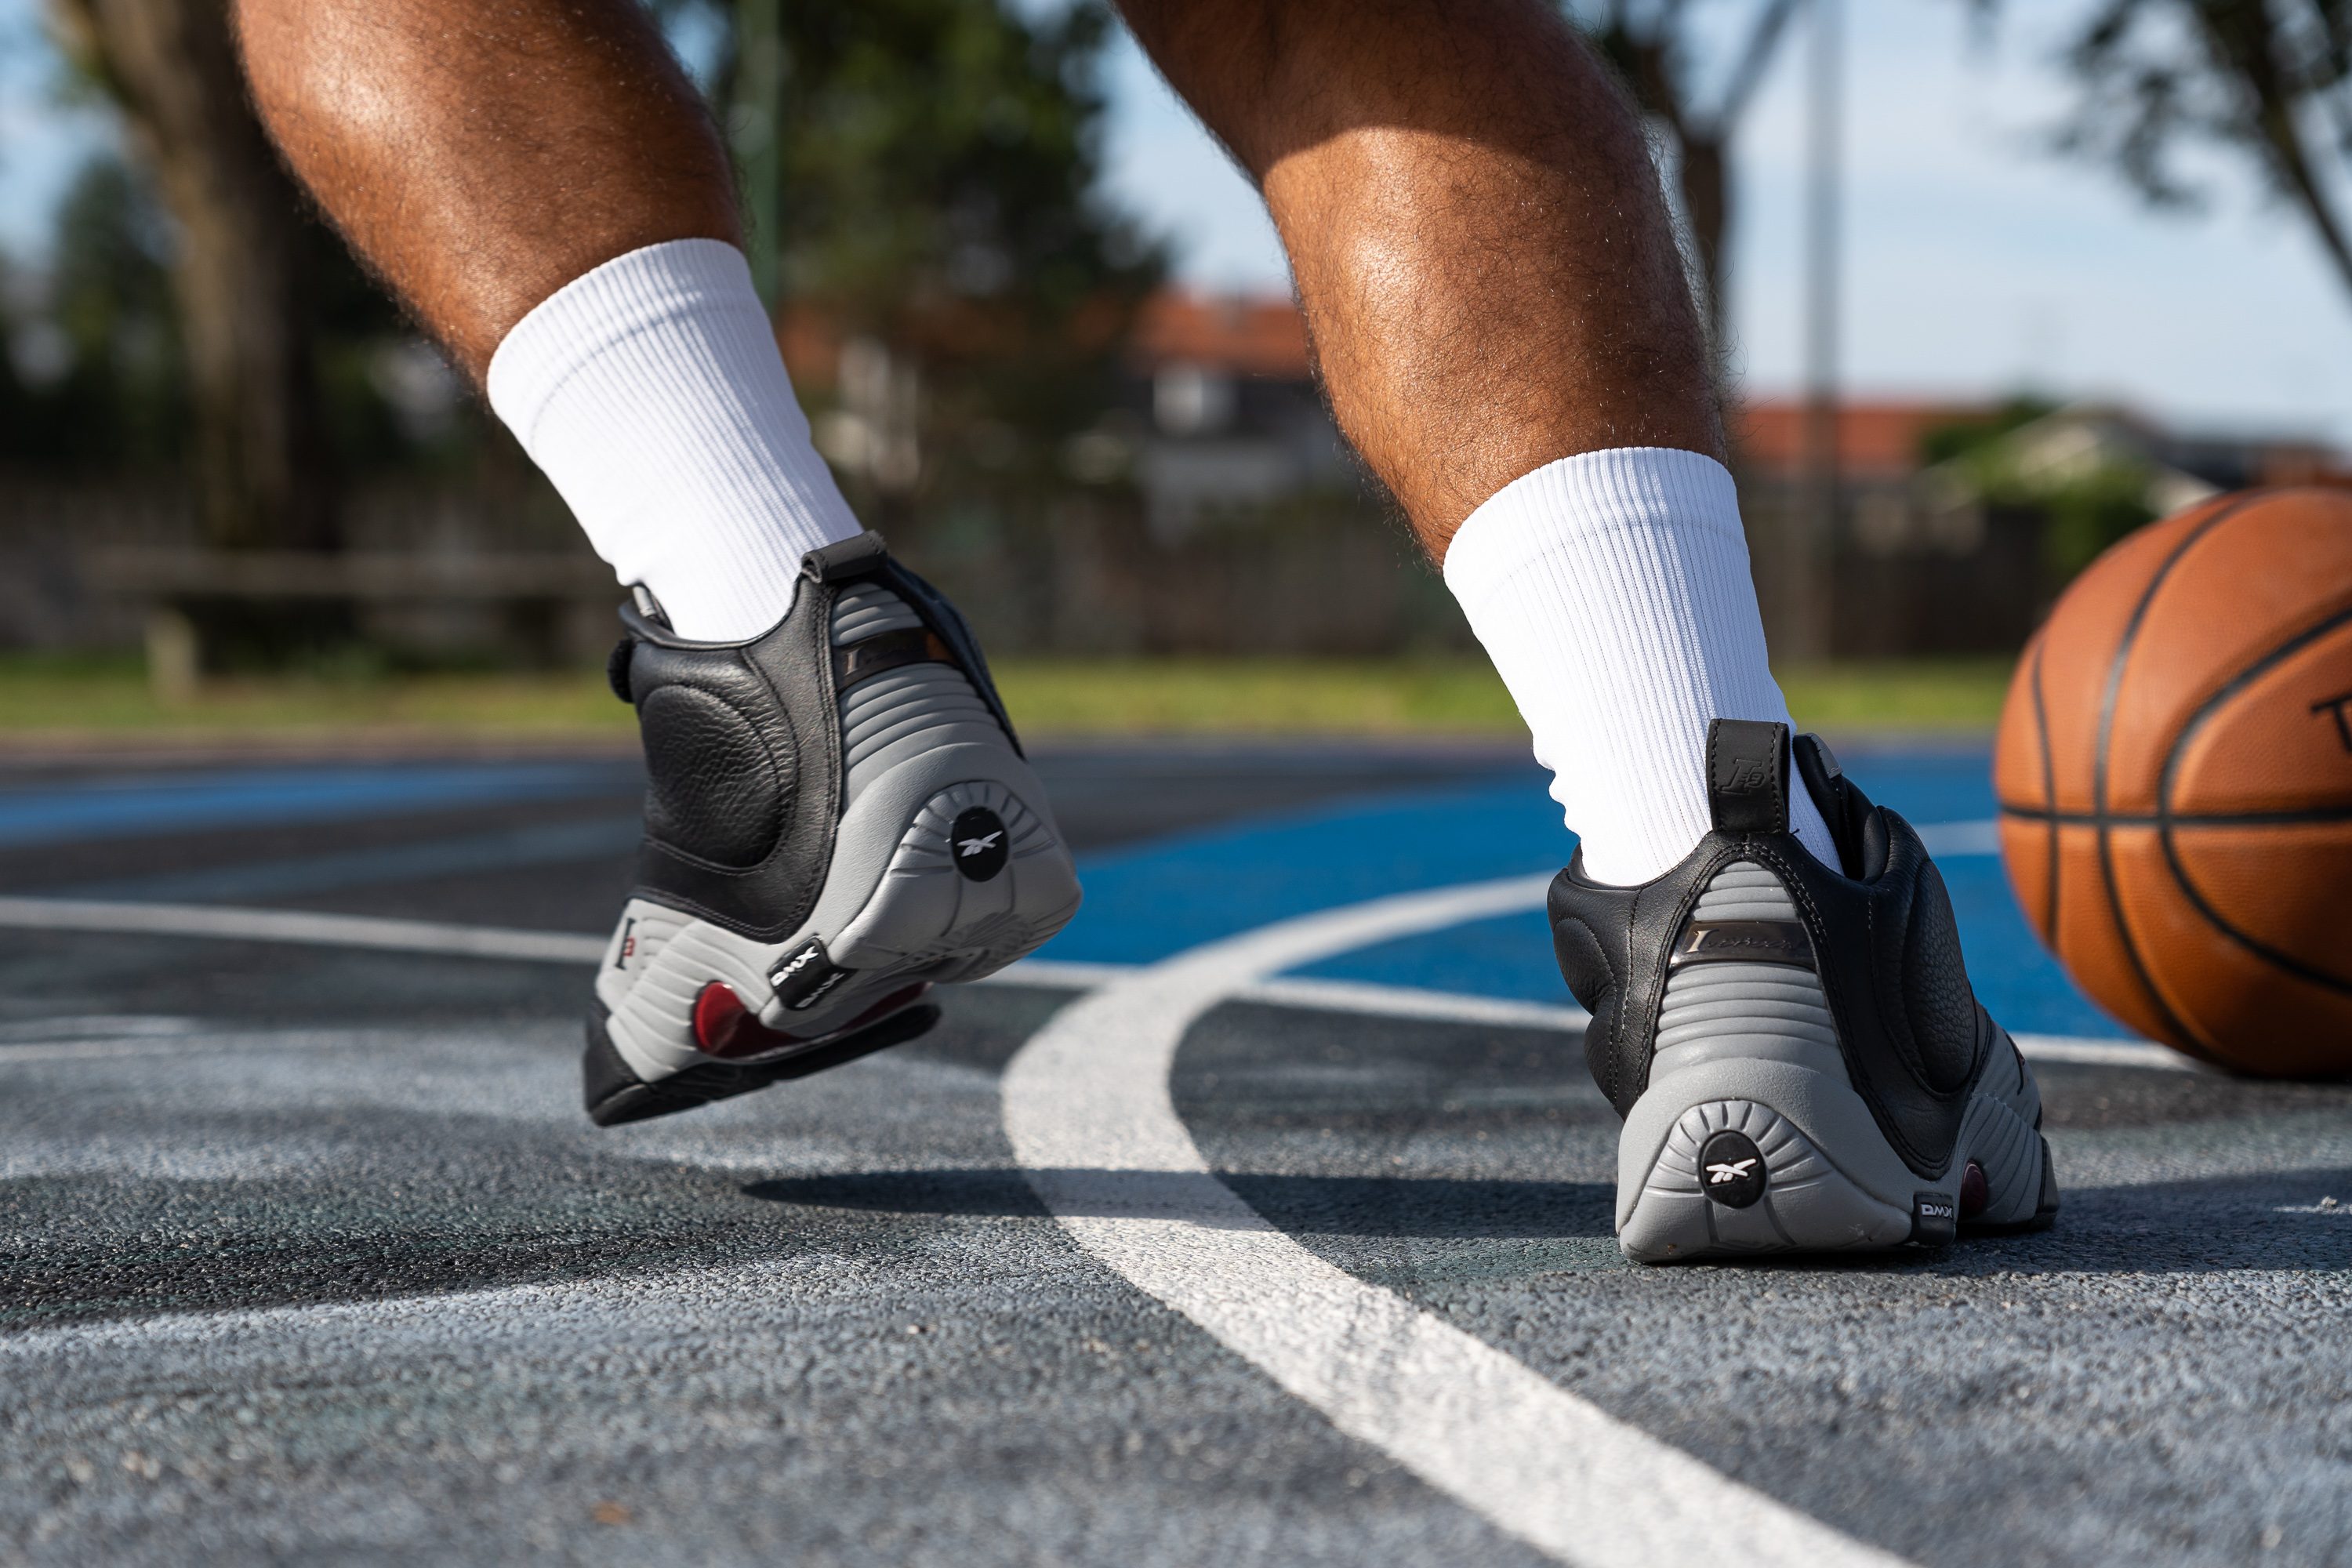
2271	1221
1333	1206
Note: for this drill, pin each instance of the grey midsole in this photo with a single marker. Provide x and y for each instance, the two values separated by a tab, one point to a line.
1820	1105
649	997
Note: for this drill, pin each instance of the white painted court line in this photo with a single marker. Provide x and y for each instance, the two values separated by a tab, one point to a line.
1088	1110
178	1048
1465	1007
571	1309
1951	840
1411	1002
98	1026
1057	973
91	1050
305	927
300	926
2104	1053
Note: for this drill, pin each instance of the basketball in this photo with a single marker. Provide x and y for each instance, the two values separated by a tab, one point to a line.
2174	769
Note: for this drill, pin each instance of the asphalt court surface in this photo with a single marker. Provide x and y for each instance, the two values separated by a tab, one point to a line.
309	1254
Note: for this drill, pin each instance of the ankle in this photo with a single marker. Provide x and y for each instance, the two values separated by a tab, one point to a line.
1612	590
651	392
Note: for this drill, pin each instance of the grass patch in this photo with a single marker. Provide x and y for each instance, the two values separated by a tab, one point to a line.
1906	694
1439	697
1250	696
58	697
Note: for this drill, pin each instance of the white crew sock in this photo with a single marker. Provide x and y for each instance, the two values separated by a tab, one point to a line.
1612	592
651	392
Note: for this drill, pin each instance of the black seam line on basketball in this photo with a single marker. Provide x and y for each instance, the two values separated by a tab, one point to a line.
2116	668
2049	792
2196	896
2321	817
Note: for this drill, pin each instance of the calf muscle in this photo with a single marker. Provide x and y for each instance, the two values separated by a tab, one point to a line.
1473	225
481	153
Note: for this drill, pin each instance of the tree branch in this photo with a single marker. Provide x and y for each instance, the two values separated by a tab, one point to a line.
2248	38
1748	74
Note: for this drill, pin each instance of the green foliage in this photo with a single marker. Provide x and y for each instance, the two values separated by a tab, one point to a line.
2089	513
359	328
104	388
941	157
2083	509
939	172
1942	443
2267	81
78	695
97	380
938	194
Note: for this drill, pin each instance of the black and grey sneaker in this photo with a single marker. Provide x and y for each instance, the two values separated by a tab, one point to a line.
837	816
1799	1058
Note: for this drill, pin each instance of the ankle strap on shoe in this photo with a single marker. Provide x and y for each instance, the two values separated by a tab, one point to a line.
1747	775
862	556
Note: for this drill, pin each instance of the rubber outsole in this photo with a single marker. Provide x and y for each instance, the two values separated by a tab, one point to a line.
906	904
1828	1183
615	1094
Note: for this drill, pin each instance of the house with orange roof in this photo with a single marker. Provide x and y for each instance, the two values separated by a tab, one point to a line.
1222	410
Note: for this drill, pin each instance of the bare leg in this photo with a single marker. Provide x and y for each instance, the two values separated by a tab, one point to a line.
542	185
1474	225
1507	336
481	156
540	180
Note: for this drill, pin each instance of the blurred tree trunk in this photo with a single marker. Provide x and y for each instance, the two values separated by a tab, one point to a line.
240	269
1707	202
1650	43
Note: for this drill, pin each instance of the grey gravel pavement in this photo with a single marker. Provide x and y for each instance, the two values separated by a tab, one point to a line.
309	1254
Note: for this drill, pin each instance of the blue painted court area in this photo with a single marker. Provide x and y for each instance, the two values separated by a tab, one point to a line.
1147	902
147	804
1144	901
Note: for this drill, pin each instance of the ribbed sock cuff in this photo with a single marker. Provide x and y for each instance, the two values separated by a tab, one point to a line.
651	392
1623	490
1611	591
700	289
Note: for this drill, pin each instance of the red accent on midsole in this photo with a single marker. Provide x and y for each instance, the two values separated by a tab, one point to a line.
724	1028
1976	1193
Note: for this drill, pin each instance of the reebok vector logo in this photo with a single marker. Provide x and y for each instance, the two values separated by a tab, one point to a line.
1731	1168
976	844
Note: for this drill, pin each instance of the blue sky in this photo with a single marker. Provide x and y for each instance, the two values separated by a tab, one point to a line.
1975	264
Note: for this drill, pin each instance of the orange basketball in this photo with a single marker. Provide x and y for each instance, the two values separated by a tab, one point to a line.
2175	774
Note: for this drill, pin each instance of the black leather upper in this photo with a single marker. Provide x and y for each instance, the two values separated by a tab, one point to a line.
1884	943
743	745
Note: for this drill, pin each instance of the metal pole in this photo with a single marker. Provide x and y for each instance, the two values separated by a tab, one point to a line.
1813	536
754	125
